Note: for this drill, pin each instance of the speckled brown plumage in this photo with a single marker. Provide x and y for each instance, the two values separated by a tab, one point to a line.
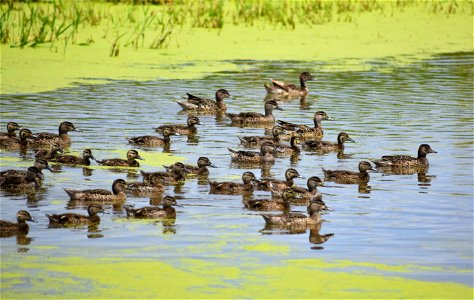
8	228
257	118
405	160
85	160
153	141
265	155
154	212
350	177
233	188
43	139
201	104
17	142
288	89
100	195
59	220
190	128
132	155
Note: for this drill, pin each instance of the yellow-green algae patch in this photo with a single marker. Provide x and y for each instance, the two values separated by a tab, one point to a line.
412	31
74	277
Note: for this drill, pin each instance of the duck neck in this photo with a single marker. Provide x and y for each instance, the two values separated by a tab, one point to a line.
117	190
317	123
302	83
22	226
170	212
269	112
94	218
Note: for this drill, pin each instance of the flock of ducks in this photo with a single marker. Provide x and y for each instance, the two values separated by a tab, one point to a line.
49	148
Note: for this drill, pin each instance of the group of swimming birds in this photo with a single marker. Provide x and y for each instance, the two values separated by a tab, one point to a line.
49	148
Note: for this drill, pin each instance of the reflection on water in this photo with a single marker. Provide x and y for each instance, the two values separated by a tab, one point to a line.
420	217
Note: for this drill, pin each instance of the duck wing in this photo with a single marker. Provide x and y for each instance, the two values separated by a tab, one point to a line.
288	126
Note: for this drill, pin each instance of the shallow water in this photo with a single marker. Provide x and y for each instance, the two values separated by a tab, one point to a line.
422	224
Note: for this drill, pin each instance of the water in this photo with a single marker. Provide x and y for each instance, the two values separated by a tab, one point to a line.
425	222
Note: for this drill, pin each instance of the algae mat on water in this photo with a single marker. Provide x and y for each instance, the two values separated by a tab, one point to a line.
77	277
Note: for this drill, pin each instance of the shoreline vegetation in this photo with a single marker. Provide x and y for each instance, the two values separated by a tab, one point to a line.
158	39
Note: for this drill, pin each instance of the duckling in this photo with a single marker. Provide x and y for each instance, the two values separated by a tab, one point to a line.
268	205
59	220
329	146
118	162
153	141
51	153
277	131
85	160
279	185
266	154
350	177
233	188
257	118
294	219
9	228
176	176
22	179
311	192
405	160
183	129
208	105
288	89
305	131
11	128
201	170
25	135
43	139
155	212
152	186
100	195
291	149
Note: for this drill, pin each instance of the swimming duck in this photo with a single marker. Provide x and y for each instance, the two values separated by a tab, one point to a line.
267	205
294	219
288	89
77	219
51	153
277	131
153	185
200	170
233	188
208	105
153	141
291	149
23	179
9	228
11	128
305	131
100	195
175	176
350	177
24	136
155	212
405	160
43	139
279	185
190	128
311	192
257	118
132	155
329	146
266	154
85	160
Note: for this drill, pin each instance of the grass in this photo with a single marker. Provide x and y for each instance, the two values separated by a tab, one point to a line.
157	26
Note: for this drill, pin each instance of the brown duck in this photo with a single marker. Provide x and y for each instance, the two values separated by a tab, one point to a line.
252	141
59	220
190	128
350	177
288	89
257	118
266	154
51	153
200	170
207	105
12	127
154	212
328	146
9	228
43	139
85	160
294	219
153	185
405	160
153	141
233	188
306	131
279	185
175	176
272	204
100	195
132	155
19	142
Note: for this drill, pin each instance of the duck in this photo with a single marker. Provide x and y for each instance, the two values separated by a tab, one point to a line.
279	185
256	118
77	219
251	141
406	161
294	219
132	155
200	170
152	186
24	179
234	188
21	141
154	212
153	141
20	227
266	154
43	139
12	127
350	177
190	128
311	192
175	176
100	195
201	104
288	89
51	153
85	160
305	131
270	205
329	146
291	149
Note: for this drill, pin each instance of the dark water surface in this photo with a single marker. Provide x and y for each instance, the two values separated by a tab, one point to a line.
422	220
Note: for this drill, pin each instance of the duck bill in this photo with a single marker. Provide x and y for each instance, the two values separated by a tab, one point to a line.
350	140
212	166
433	151
279	108
33	220
141	158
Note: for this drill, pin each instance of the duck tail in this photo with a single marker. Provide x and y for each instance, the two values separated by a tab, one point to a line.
53	218
71	193
266	217
268	88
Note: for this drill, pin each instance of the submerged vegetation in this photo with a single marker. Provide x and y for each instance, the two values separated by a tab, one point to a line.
156	24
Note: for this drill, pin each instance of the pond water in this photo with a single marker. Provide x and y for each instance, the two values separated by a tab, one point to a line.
422	223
